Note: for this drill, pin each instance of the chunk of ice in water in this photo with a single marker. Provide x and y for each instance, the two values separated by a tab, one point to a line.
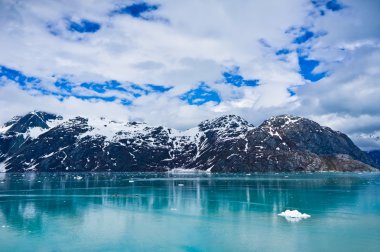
180	184
78	177
294	215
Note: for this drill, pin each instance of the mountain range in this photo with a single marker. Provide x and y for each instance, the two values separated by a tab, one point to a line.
41	141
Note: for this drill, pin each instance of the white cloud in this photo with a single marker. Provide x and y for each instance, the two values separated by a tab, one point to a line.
14	101
347	99
200	40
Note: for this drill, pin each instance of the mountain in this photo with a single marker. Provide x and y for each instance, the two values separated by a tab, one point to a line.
375	156
40	141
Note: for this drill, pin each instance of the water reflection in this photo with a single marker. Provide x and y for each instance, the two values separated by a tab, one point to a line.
27	201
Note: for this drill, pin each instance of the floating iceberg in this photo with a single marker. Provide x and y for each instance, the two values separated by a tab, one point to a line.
78	177
294	215
187	171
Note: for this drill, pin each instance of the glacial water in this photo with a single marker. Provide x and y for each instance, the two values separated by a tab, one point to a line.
188	212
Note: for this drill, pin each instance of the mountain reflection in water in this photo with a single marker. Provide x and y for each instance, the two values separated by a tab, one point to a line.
151	211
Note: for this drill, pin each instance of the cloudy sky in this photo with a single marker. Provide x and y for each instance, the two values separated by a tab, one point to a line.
176	63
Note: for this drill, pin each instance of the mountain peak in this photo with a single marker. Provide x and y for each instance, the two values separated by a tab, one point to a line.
33	119
225	121
282	120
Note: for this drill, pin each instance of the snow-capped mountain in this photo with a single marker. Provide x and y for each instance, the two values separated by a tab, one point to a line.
40	141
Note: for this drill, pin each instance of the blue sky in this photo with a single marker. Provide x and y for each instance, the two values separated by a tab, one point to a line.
172	63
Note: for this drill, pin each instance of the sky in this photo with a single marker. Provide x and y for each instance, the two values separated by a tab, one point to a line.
176	63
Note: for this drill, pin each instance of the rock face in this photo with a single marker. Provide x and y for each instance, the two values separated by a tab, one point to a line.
41	141
375	156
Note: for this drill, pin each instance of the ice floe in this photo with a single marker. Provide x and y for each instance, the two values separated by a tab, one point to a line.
78	177
294	215
188	171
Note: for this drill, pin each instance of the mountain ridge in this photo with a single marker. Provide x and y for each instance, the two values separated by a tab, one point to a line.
40	141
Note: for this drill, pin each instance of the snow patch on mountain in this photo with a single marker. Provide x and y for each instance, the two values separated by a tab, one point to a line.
36	132
100	127
4	129
3	166
191	133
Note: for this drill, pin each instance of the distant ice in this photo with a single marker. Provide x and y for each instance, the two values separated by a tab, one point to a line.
78	177
185	171
294	215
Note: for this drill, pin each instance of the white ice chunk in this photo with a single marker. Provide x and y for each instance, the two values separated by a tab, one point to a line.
78	177
188	171
294	215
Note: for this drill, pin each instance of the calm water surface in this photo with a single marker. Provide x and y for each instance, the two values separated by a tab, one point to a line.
166	212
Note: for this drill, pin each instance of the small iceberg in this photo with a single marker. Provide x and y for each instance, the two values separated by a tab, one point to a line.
78	177
131	181
187	171
180	184
294	215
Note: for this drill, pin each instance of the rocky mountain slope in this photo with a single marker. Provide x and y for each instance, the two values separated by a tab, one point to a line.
40	141
375	156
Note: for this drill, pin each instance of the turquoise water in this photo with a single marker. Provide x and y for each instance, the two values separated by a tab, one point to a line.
166	212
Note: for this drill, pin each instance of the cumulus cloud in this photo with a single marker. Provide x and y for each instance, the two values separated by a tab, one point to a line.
182	45
347	99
